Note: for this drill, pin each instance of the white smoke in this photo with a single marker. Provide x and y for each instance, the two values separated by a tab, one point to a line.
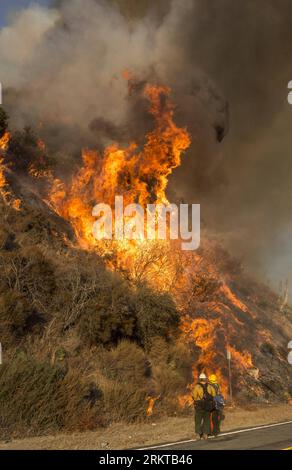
67	64
20	40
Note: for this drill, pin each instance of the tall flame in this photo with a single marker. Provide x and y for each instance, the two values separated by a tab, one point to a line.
139	176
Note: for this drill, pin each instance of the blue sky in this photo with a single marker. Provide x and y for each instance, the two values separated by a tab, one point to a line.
8	5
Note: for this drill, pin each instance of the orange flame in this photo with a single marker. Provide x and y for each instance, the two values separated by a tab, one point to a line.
140	176
233	299
4	141
4	190
150	406
243	359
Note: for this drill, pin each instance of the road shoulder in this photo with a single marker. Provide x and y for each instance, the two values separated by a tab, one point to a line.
155	431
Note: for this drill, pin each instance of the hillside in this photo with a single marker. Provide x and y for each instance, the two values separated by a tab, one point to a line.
85	346
98	332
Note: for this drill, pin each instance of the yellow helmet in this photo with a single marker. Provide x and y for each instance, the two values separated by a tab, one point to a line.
213	379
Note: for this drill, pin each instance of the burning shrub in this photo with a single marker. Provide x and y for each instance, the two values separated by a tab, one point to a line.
168	384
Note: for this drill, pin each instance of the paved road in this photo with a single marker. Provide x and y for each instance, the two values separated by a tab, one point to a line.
265	438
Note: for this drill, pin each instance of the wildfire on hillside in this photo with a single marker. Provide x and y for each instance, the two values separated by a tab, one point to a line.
141	175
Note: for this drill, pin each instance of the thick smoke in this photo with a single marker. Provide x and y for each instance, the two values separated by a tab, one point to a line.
245	48
63	67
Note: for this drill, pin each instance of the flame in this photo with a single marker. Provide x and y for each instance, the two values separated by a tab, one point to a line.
243	359
185	400
4	189
139	176
202	333
233	299
2	176
151	402
4	141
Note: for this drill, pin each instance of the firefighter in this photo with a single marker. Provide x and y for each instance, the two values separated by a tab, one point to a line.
217	415
203	396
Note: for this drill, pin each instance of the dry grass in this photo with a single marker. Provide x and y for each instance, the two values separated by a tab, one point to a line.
121	436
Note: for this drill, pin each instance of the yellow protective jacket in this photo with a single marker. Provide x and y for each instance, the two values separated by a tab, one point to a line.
198	392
